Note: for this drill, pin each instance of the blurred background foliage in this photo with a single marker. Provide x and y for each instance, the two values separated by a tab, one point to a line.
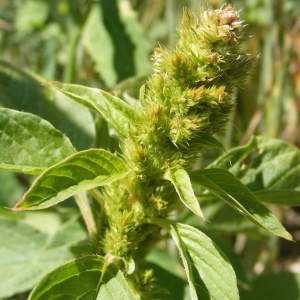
101	43
108	44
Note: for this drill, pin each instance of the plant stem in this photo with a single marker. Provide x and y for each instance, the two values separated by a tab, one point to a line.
83	203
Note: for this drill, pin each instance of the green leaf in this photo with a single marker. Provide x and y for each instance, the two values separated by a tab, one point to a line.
204	264
29	144
115	41
224	219
31	15
96	40
116	112
24	92
181	181
225	245
26	256
279	197
264	163
84	278
77	279
11	189
82	171
225	186
116	288
142	46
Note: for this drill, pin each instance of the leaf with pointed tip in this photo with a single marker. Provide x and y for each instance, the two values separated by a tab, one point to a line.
79	172
210	274
84	278
114	110
29	144
182	184
225	186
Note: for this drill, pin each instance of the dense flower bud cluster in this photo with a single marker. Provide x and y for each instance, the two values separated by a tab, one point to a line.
193	83
186	100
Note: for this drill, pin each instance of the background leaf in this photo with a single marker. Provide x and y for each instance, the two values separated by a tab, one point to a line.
82	171
11	189
211	265
168	272
26	253
275	286
31	15
116	111
29	144
130	88
228	188
21	91
115	41
181	181
264	163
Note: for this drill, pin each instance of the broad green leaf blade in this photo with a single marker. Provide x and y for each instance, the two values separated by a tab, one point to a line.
225	245
182	184
116	288
29	144
24	92
114	39
79	172
84	278
77	279
264	163
225	186
114	110
204	264
279	197
25	253
225	219
232	158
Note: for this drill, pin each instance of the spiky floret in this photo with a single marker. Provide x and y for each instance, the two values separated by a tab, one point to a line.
187	99
194	82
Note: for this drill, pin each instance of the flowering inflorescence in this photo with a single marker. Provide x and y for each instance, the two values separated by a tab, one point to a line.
186	100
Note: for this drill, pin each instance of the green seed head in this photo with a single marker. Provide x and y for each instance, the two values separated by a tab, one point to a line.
193	84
